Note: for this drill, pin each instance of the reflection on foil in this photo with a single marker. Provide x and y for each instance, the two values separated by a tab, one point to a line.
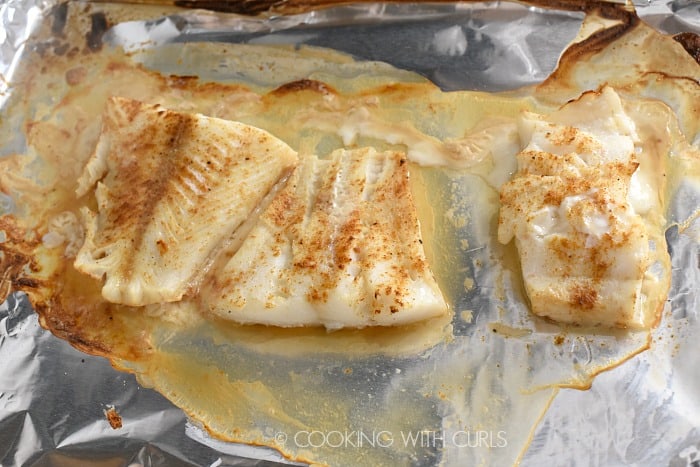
53	398
233	453
650	400
687	12
490	48
16	310
450	41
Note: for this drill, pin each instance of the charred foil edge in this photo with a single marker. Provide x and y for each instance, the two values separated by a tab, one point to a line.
17	260
597	41
288	7
18	263
691	43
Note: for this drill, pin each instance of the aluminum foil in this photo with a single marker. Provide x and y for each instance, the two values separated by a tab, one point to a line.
53	399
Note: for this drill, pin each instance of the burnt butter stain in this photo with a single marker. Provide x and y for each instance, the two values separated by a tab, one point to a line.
59	14
98	27
304	85
61	49
598	40
691	43
244	7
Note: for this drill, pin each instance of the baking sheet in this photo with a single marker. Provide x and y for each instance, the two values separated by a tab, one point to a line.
53	398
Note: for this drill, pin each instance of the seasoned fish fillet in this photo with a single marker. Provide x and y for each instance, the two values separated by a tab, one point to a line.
339	246
171	188
587	255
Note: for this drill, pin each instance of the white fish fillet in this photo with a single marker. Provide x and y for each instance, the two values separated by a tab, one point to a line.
339	246
171	188
585	252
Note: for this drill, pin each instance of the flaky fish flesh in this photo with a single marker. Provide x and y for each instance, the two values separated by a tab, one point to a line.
171	188
340	246
588	256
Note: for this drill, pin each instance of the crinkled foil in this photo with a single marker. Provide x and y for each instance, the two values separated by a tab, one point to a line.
54	399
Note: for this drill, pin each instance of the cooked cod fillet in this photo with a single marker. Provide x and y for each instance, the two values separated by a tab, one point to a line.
339	246
171	188
586	253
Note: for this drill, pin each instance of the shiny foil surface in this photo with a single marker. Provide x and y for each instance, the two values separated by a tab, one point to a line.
56	402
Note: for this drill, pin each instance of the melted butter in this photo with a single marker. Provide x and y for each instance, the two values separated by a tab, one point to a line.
509	331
